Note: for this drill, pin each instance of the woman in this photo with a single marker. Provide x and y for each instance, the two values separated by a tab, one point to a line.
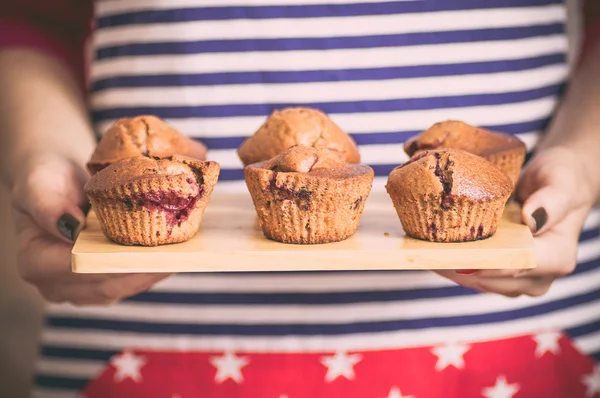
383	71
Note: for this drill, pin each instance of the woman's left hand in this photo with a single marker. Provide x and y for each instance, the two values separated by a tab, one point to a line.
557	196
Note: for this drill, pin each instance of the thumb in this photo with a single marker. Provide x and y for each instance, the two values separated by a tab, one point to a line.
545	207
51	192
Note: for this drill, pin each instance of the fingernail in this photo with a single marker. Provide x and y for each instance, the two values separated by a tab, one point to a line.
539	217
466	271
85	208
68	226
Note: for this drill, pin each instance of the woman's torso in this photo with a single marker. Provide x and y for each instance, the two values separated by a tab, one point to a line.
383	71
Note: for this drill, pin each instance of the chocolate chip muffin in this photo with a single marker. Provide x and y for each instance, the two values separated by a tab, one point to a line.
149	202
297	126
507	152
307	195
448	195
142	136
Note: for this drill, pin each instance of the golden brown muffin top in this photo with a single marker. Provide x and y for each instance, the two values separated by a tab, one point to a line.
291	126
130	170
315	162
451	172
460	135
146	136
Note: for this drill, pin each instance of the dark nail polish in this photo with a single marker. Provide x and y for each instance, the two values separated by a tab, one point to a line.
467	271
68	226
85	208
540	217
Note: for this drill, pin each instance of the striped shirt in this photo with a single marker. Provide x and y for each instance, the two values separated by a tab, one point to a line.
383	70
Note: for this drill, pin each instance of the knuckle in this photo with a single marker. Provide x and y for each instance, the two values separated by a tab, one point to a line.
30	184
27	192
32	178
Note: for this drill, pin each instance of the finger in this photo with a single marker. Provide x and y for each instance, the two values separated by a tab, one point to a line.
547	192
556	254
503	273
55	263
509	287
476	282
104	292
545	208
74	293
529	181
51	192
43	257
540	286
464	280
551	264
515	287
556	250
120	287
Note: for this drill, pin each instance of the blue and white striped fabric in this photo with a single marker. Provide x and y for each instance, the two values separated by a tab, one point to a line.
383	70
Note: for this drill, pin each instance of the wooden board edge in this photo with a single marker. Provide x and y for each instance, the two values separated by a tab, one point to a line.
521	258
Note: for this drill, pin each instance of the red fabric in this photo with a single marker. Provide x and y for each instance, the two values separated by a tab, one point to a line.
531	366
59	28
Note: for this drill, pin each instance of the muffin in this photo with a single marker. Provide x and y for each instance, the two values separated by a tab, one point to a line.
142	136
297	126
307	195
149	202
448	195
507	152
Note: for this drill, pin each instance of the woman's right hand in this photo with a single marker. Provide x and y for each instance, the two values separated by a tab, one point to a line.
47	198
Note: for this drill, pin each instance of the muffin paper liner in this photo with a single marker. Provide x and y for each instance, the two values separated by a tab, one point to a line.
293	208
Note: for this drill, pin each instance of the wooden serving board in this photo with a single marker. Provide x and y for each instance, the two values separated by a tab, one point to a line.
230	239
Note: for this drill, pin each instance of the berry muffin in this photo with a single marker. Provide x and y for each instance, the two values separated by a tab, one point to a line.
142	136
308	195
505	151
448	195
149	202
297	126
